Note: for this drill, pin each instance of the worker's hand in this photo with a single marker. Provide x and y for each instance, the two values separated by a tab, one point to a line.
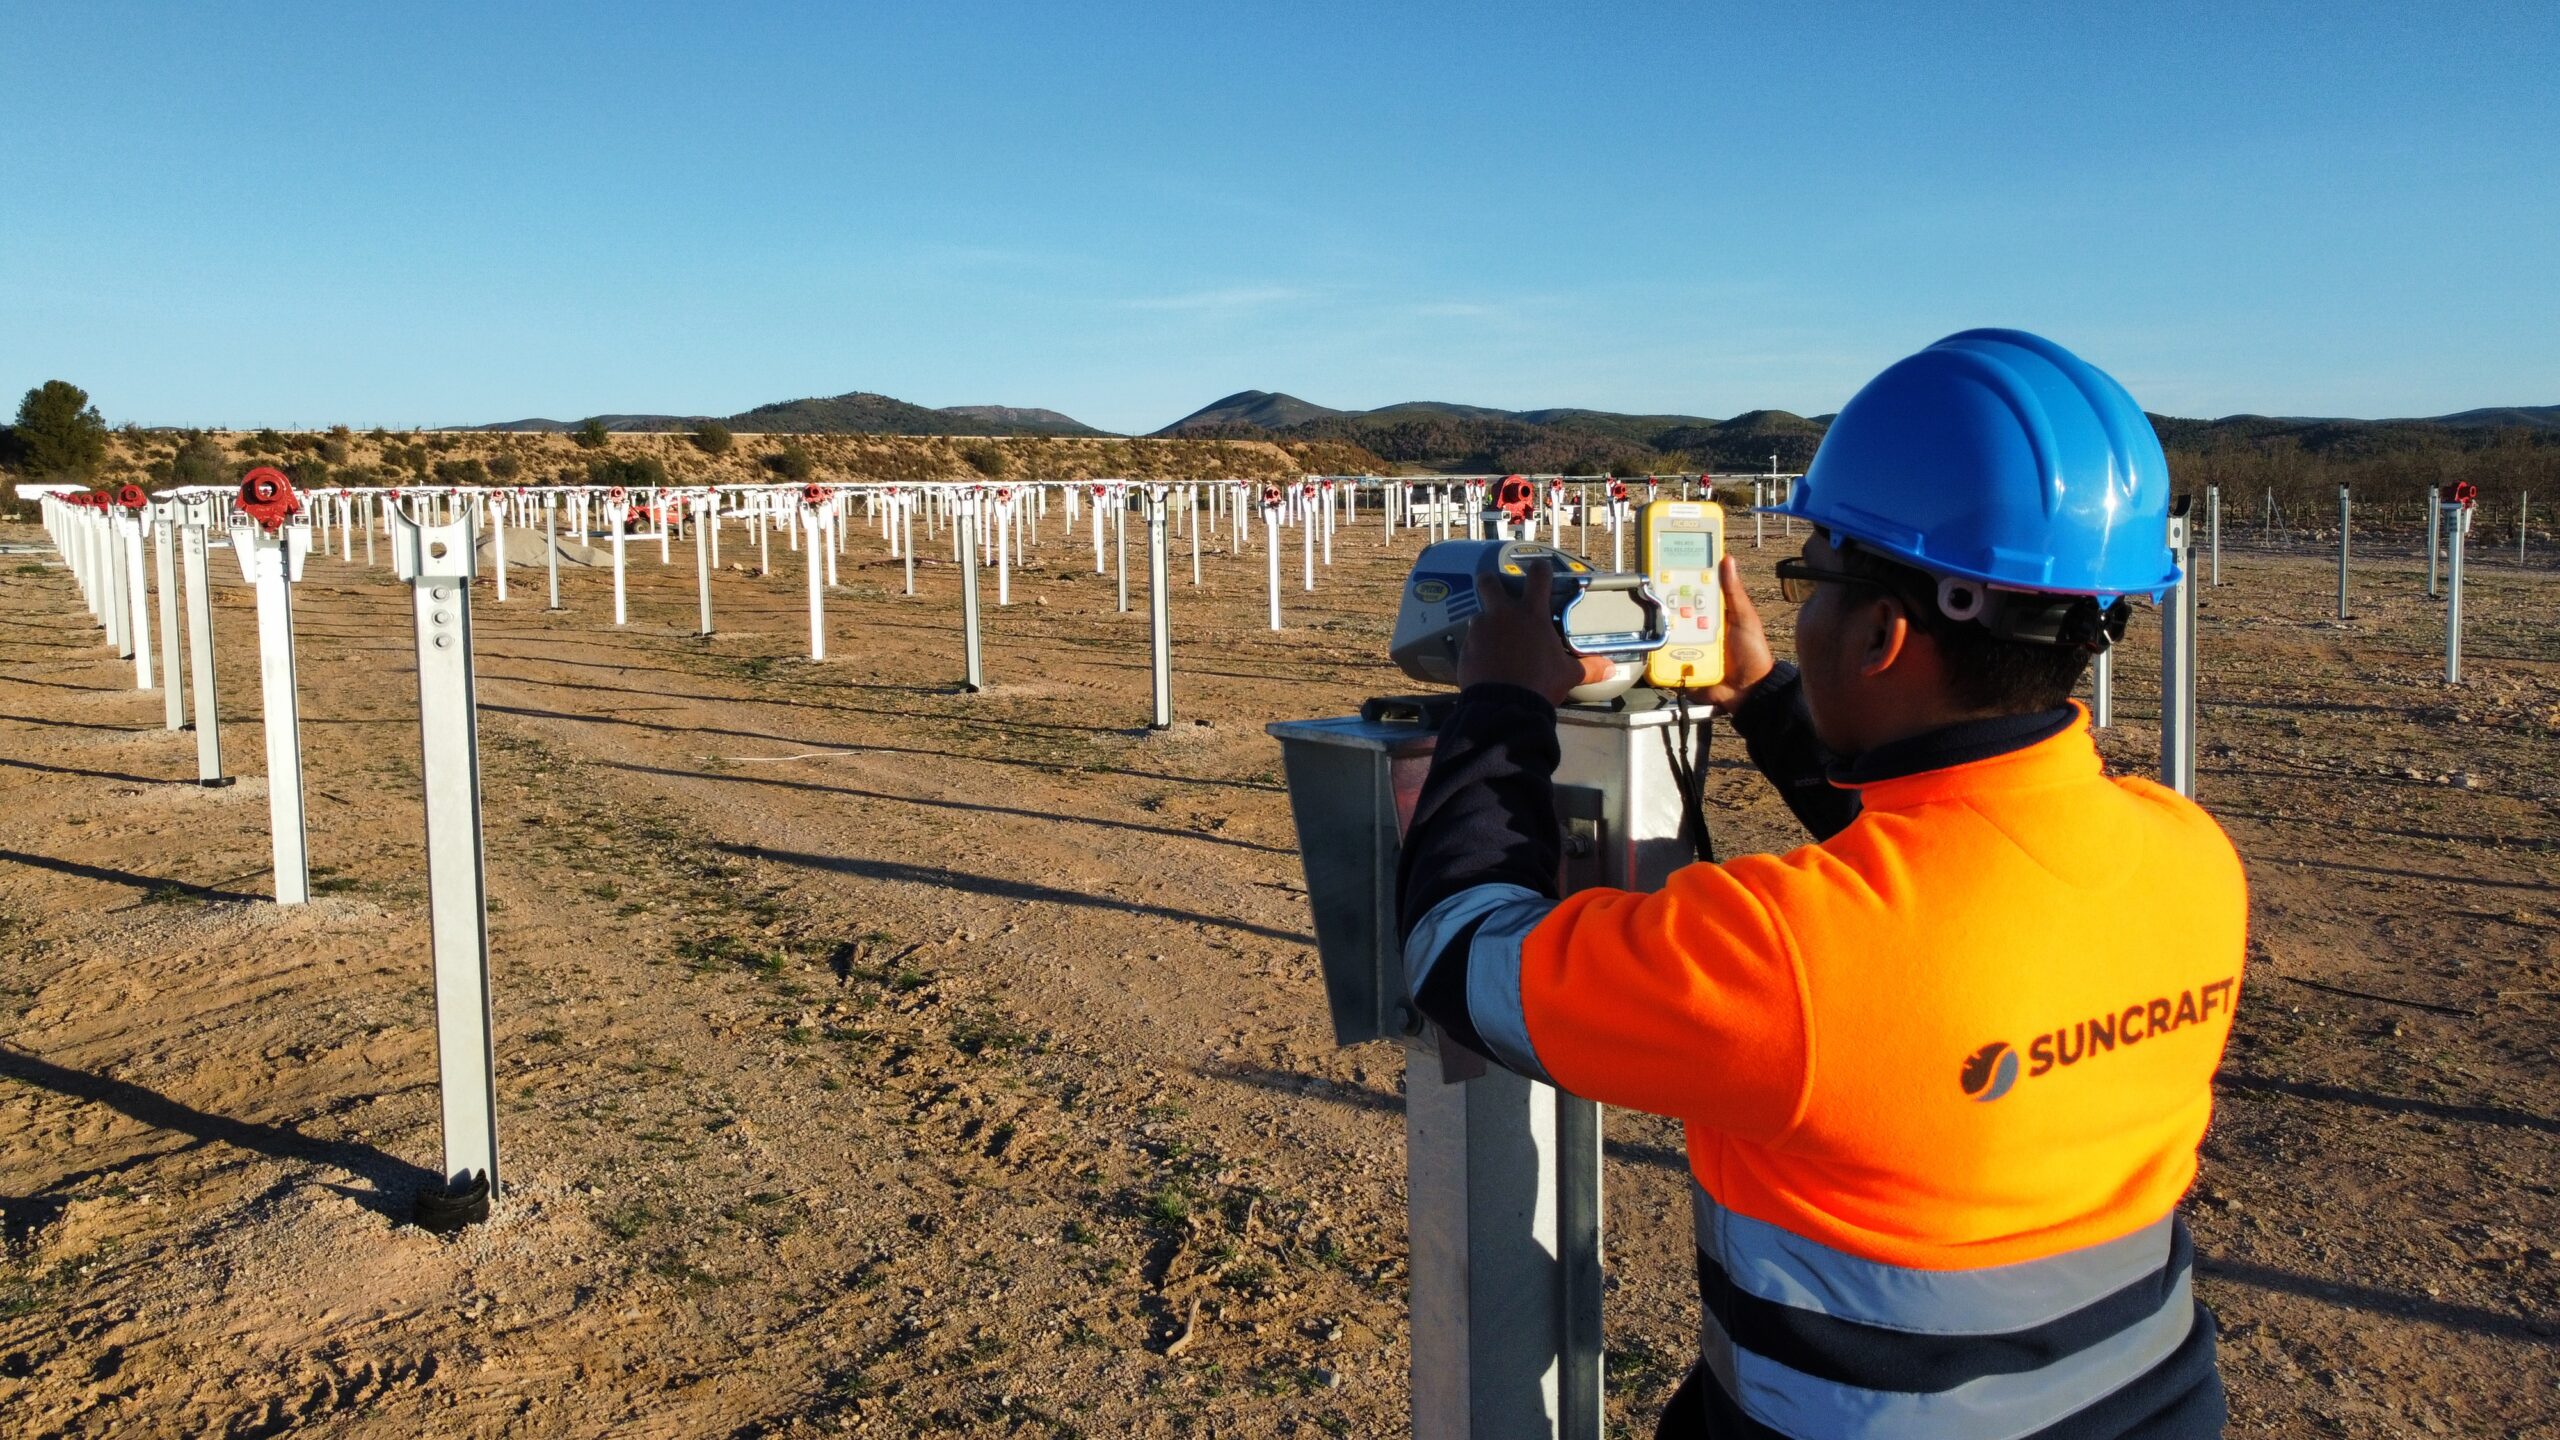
1514	641
1746	645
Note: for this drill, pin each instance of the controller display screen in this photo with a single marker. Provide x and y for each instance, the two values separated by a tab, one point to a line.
1683	550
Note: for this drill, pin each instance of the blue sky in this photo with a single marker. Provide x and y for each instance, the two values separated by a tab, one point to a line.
436	214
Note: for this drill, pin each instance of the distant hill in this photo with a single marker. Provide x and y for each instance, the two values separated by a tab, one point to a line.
857	413
2535	417
1255	409
1439	435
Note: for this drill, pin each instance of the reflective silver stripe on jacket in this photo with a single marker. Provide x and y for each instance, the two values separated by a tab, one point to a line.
1990	1407
1508	913
1775	1264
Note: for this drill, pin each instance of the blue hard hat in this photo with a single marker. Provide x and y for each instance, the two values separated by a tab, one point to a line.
1999	456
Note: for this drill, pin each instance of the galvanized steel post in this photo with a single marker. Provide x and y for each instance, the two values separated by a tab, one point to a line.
2178	664
437	561
2346	516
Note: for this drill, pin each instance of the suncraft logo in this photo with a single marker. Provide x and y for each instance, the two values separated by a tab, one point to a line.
1995	1069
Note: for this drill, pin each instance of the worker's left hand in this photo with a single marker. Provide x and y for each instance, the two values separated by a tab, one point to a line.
1514	641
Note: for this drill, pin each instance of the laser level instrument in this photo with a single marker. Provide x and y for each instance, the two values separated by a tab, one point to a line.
1678	543
1600	613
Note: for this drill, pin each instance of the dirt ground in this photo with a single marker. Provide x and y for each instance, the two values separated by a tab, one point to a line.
880	1058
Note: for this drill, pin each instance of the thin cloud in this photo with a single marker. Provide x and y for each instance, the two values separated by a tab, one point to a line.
1228	301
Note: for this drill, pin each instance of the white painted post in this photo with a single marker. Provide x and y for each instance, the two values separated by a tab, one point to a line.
1159	612
702	506
2457	527
551	542
615	512
811	511
1191	494
1271	548
199	583
500	512
137	597
1097	532
973	670
271	560
1307	533
1003	508
172	683
907	535
1120	541
2346	515
438	561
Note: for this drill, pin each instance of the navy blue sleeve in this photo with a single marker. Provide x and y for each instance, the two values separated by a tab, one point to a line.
1486	818
1777	730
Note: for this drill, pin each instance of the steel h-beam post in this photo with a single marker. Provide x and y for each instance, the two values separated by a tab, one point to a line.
194	559
2102	689
1159	612
271	560
437	561
2346	515
2178	664
965	522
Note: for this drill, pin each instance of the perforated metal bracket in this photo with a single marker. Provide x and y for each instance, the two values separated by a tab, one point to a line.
431	552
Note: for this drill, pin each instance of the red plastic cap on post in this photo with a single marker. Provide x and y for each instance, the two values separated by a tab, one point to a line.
267	495
813	496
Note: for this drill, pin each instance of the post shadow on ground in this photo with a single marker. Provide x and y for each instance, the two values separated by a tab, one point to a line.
2392	1104
814	788
145	883
2373	1300
94	774
998	888
394	1183
868	748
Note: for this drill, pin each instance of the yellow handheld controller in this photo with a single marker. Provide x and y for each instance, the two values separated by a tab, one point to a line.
1678	543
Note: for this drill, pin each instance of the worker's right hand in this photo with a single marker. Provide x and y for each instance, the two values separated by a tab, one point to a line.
1746	645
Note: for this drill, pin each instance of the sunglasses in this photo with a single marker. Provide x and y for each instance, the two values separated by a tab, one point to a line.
1797	577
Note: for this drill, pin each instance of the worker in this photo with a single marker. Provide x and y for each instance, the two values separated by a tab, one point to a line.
1944	1070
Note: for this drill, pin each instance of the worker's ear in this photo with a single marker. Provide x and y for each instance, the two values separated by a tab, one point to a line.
1886	637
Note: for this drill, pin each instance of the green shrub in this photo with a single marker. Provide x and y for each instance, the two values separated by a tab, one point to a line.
711	437
590	436
791	462
504	467
631	472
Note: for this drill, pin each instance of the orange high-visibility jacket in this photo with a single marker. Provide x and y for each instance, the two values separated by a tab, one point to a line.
1944	1073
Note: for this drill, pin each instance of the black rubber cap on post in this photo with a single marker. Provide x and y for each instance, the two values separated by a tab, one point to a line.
449	1209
